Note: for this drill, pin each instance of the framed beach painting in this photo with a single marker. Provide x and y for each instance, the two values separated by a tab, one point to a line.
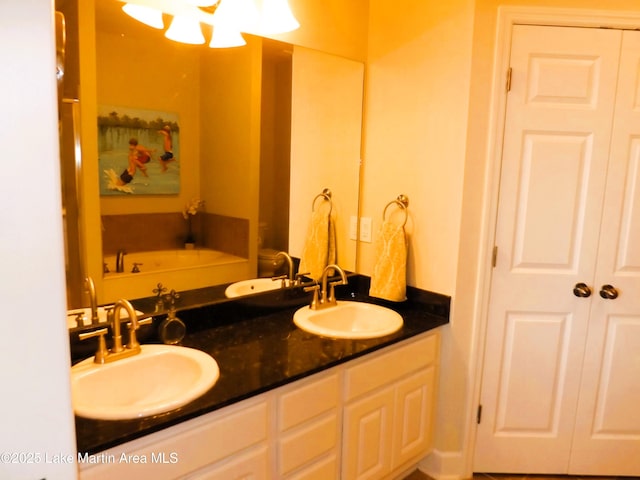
138	151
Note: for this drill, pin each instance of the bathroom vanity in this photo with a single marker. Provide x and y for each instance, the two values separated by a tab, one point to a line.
288	404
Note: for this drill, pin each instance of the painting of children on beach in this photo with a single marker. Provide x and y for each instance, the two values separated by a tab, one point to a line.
139	151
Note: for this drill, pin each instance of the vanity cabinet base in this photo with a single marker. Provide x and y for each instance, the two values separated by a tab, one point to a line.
370	418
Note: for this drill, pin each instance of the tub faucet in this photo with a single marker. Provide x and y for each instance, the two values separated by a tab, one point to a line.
120	260
289	260
90	288
326	299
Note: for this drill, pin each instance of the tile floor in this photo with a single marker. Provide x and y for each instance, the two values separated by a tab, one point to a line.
418	475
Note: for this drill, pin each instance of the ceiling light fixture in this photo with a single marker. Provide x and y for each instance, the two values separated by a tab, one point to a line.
276	17
229	18
185	29
147	15
224	37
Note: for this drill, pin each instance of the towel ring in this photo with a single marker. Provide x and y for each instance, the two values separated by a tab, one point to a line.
401	201
326	195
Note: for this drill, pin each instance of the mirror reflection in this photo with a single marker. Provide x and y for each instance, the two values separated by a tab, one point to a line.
263	129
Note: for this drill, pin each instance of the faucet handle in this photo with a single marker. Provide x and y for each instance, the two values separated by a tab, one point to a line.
79	318
299	277
332	291
133	339
314	301
283	278
102	351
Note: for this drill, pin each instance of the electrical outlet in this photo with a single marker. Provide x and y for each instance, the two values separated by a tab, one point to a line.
353	228
365	229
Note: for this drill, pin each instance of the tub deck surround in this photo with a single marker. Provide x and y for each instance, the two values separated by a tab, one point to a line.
258	348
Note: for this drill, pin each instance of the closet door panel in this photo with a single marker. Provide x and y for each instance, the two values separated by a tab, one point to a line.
607	433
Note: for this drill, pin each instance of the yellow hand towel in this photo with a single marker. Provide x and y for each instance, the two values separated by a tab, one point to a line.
320	246
389	278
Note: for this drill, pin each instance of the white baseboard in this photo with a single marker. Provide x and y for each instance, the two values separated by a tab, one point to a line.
443	465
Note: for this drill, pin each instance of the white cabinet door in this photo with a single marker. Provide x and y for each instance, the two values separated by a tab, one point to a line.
388	420
544	333
367	437
414	410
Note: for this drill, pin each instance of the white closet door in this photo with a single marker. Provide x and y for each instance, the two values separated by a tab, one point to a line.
558	127
607	434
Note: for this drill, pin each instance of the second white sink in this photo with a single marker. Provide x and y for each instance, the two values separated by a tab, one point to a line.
351	320
158	379
248	287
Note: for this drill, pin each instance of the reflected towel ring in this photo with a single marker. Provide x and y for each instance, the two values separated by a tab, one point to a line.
326	194
401	201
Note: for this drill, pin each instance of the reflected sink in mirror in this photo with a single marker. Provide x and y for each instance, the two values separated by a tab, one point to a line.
350	320
254	285
158	379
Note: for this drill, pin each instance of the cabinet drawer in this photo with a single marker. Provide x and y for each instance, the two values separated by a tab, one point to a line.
304	444
324	469
253	464
304	403
389	367
186	447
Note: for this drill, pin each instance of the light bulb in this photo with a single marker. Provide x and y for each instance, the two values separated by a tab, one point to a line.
225	37
241	15
201	3
186	30
277	17
147	15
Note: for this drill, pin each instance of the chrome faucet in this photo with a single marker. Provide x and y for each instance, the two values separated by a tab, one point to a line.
117	350
120	260
326	298
93	302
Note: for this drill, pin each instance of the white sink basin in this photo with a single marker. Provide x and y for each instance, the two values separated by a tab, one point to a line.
353	320
158	379
254	285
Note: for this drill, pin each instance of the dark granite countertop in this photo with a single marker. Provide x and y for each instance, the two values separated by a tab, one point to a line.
258	348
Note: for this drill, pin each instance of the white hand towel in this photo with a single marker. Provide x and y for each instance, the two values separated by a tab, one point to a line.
389	278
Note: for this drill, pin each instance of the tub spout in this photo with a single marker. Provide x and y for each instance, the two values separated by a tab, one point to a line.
120	260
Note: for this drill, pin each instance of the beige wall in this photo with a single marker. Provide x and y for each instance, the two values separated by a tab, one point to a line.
415	128
338	27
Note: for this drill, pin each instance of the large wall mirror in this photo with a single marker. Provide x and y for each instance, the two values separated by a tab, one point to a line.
259	132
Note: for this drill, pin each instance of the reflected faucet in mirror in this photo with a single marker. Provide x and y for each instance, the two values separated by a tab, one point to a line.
290	270
93	300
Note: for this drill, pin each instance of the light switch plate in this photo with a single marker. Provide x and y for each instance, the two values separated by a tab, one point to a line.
365	229
353	228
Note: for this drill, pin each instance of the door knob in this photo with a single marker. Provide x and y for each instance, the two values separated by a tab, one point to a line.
608	292
582	290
